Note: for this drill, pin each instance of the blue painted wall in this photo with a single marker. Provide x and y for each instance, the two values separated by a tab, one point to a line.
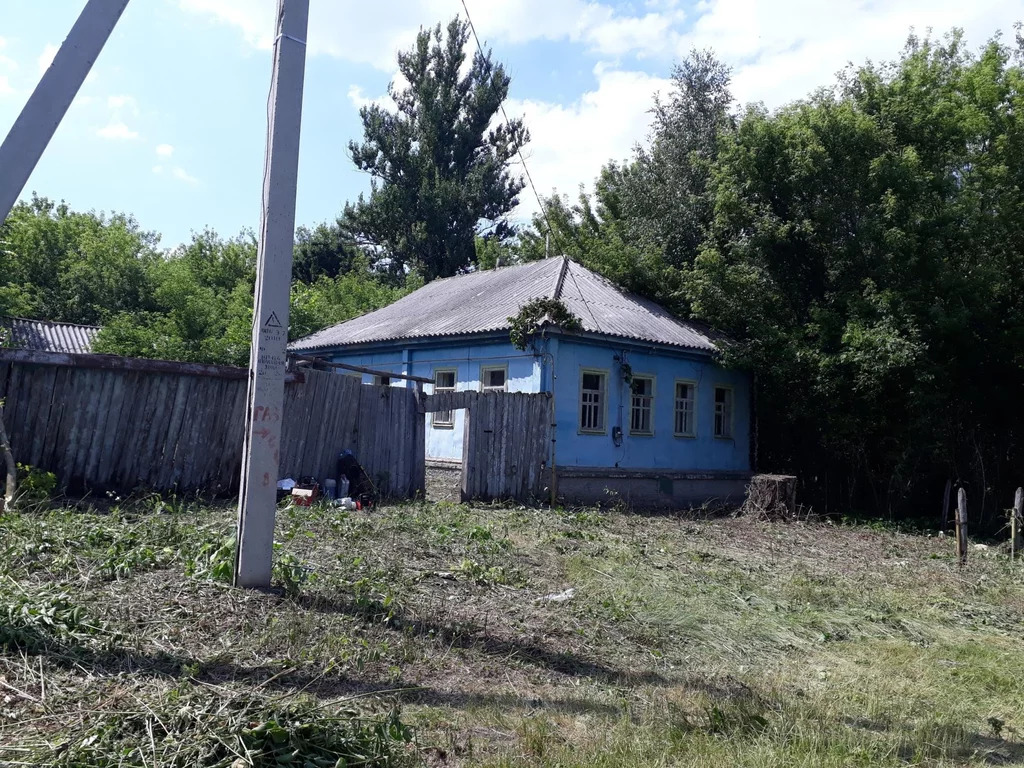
662	449
529	372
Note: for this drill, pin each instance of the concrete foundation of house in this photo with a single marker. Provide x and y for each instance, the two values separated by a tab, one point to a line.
651	489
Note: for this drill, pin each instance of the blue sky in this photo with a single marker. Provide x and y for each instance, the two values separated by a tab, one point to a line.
170	126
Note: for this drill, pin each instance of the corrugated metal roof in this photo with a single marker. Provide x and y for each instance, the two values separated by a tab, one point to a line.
483	301
45	336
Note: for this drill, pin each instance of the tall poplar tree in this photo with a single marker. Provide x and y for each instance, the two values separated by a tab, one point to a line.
440	160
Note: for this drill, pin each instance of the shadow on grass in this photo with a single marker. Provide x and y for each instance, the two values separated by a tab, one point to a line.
322	684
469	635
945	741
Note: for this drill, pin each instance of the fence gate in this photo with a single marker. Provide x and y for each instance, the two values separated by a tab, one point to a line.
506	442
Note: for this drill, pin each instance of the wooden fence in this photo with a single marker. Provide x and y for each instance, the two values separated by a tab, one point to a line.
110	423
507	442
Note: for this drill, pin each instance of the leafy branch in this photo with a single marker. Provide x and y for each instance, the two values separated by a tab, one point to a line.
533	315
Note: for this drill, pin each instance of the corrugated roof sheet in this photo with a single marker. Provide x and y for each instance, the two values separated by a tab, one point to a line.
483	301
45	336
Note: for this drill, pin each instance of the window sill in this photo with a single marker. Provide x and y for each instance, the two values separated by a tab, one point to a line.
728	438
684	436
592	432
641	434
442	426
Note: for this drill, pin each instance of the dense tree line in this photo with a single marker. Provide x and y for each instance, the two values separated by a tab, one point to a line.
192	303
864	250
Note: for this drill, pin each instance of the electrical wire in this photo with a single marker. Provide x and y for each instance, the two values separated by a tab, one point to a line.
519	149
522	158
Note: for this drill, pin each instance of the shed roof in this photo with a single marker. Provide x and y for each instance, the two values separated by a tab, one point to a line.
47	336
482	301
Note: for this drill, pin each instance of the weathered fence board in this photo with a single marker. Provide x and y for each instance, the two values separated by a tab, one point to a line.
105	423
112	423
507	441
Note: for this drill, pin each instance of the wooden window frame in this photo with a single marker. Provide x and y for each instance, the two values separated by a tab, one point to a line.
605	374
379	381
483	371
642	432
732	412
436	422
675	408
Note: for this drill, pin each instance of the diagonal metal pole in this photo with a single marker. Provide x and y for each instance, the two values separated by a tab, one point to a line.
49	102
261	450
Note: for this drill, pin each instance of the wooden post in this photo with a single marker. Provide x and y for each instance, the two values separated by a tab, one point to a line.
262	448
51	98
1015	522
961	527
12	472
945	504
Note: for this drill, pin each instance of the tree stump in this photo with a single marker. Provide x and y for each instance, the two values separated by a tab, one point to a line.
771	497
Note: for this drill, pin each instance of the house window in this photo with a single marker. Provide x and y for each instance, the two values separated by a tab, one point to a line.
593	385
686	401
723	412
494	378
444	381
382	381
641	406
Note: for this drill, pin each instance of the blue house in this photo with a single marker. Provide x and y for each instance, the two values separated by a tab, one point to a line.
641	406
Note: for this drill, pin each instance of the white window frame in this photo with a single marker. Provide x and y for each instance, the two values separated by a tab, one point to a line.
438	419
693	408
603	406
485	369
650	406
730	427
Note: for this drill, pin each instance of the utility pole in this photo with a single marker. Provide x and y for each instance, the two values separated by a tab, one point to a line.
49	102
261	451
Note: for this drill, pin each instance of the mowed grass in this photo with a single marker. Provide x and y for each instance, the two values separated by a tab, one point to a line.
427	634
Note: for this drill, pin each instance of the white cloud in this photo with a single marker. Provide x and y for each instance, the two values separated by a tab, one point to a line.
182	175
359	99
117	131
123	102
164	150
570	142
177	172
5	86
46	57
780	51
6	62
371	33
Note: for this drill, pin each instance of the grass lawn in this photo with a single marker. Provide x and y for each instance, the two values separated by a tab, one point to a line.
425	634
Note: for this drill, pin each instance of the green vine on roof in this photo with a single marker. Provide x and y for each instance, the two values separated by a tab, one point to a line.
534	314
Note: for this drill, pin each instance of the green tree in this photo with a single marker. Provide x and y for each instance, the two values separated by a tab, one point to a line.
328	301
866	255
202	305
439	165
58	264
663	197
326	250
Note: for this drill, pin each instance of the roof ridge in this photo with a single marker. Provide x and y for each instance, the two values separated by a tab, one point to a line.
560	280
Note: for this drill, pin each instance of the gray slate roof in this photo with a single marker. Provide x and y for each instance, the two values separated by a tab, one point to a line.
46	336
483	301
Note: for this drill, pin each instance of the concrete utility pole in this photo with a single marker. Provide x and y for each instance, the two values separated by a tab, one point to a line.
50	100
261	453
